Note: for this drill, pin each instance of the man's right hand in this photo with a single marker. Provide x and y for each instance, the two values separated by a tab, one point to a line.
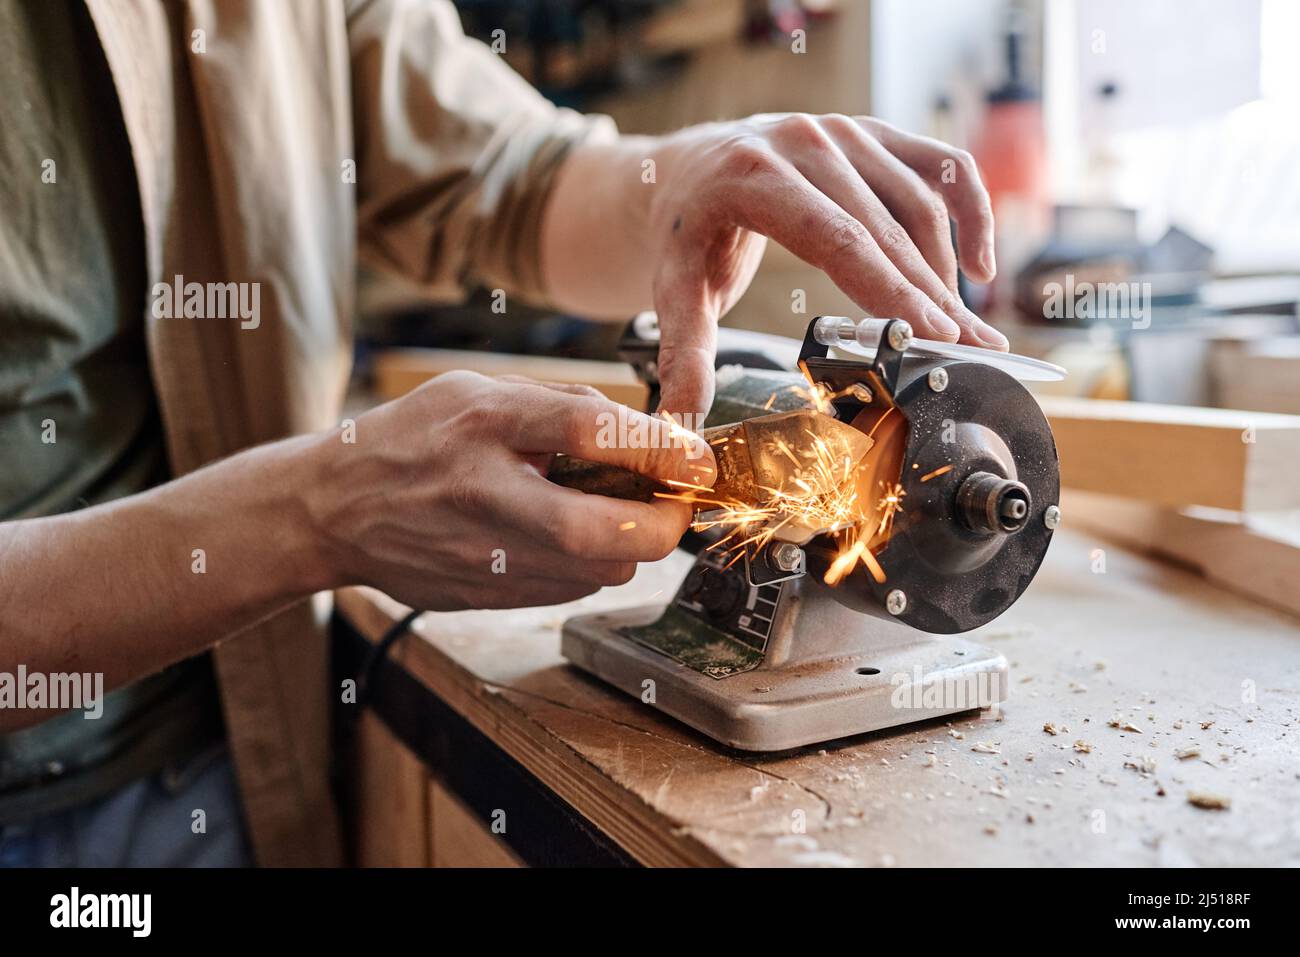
442	501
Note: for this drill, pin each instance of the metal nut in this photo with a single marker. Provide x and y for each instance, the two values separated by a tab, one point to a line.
896	602
1052	516
788	557
938	379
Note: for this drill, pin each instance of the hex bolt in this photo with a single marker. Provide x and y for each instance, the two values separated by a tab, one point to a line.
788	557
938	379
1052	516
896	602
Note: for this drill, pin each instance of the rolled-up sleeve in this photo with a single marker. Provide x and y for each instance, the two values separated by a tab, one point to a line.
456	153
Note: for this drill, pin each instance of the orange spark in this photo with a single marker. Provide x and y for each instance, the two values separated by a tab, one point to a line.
942	470
822	492
844	562
873	566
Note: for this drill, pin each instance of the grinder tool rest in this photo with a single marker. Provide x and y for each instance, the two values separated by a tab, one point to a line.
756	650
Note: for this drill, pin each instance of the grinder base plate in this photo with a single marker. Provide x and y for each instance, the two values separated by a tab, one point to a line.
871	675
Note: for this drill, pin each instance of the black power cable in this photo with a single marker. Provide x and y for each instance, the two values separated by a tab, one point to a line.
378	651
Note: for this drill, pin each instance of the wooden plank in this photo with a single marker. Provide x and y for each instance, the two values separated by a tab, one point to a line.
458	839
398	371
1262	375
1177	455
1254	555
1149	641
391	800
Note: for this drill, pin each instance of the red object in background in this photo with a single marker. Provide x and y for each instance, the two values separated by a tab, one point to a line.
1010	147
1011	150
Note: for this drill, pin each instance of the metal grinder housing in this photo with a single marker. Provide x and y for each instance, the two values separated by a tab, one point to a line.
762	655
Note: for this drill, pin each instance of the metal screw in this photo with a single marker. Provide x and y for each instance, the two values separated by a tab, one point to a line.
896	602
900	335
938	379
788	557
1052	516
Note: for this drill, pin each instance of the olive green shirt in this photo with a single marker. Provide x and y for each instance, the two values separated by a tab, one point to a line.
79	421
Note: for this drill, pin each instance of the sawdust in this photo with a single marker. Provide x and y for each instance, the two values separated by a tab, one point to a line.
1118	721
1142	765
1208	801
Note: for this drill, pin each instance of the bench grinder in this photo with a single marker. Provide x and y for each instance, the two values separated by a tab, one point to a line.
757	651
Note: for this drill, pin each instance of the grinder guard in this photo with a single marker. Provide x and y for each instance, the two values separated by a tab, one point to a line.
957	577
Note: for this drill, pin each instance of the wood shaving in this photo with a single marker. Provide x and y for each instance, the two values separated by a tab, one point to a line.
956	734
999	791
1123	724
1209	802
1050	728
1142	765
1083	747
1207	725
1184	754
983	747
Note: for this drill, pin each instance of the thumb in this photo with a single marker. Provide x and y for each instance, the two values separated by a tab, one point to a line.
688	344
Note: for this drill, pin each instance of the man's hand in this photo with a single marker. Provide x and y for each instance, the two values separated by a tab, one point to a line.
865	202
443	502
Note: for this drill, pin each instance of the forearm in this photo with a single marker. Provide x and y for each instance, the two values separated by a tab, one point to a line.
130	587
594	253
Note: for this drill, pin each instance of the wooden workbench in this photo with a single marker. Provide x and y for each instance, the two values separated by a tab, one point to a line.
1194	668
